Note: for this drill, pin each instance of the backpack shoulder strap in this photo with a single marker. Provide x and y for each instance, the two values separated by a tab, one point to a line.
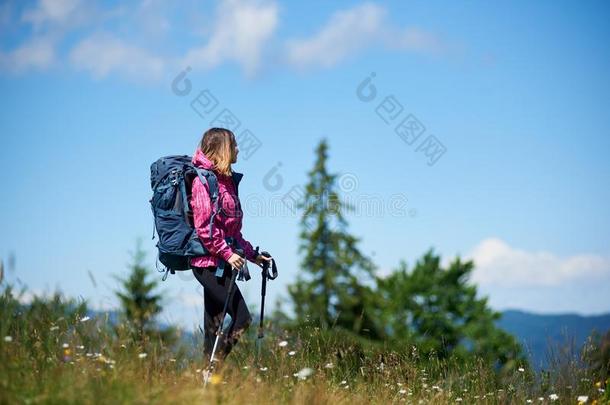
208	176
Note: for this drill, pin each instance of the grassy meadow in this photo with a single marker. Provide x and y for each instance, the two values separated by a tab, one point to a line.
52	352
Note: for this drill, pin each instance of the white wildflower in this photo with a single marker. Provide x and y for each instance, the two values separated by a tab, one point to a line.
54	328
521	369
458	399
8	339
283	343
142	355
402	391
529	401
292	353
65	345
582	399
264	369
246	367
304	373
540	399
343	382
85	319
329	365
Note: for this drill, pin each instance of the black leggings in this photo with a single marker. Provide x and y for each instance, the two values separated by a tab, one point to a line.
215	295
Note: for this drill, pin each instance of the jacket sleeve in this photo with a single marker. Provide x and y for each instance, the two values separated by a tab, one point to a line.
201	203
247	246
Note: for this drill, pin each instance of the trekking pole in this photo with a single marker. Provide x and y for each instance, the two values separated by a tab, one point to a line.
265	275
220	330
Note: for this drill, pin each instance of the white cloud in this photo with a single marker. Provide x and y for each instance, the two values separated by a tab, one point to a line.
240	34
51	20
412	39
52	12
347	32
103	54
498	264
37	53
351	31
152	16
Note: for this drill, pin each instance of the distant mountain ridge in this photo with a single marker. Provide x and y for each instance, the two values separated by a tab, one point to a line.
537	331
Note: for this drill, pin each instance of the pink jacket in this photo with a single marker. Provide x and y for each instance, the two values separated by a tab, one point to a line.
228	220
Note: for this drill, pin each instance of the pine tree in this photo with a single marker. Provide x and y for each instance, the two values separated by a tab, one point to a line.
332	286
139	301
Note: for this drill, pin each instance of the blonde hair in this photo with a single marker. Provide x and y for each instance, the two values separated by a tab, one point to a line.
218	145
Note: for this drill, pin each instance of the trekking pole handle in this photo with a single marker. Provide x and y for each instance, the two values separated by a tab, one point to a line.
273	275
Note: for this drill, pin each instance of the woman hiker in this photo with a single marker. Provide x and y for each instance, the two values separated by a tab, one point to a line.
217	151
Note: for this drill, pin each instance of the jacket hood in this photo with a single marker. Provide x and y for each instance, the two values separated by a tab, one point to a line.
200	160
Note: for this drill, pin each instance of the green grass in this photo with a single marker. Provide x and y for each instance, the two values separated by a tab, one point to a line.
54	356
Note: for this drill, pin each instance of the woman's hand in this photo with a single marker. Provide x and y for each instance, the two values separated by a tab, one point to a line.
260	259
236	261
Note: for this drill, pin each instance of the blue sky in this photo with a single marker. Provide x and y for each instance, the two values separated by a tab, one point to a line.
516	93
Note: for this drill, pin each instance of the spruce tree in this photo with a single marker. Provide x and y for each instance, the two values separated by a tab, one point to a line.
140	302
331	289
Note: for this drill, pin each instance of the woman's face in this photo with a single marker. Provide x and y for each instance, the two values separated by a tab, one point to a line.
235	153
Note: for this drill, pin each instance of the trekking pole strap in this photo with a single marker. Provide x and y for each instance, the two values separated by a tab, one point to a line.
220	270
273	275
243	273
